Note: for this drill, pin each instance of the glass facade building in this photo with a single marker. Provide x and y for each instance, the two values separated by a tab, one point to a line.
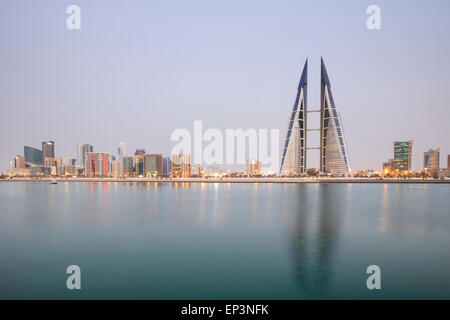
33	155
139	160
402	155
48	149
167	165
121	151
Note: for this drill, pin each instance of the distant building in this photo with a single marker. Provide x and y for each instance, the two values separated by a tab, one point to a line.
197	171
139	152
253	167
117	168
50	162
121	151
139	164
402	155
48	149
63	163
167	165
128	167
70	170
181	165
443	173
448	161
33	155
82	150
19	162
431	159
212	171
388	167
39	170
153	165
98	164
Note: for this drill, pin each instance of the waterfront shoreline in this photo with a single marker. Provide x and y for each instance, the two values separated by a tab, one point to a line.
233	180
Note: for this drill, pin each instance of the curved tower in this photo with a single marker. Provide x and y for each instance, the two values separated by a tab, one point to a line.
293	161
333	147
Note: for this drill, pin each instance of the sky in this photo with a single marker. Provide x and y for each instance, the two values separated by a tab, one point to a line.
138	70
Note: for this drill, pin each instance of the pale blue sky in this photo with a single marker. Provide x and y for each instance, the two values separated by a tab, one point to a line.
137	70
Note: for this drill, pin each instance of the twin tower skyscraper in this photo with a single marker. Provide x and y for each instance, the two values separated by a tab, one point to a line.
333	147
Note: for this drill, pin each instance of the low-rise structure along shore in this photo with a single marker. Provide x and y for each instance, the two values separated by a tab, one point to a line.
237	180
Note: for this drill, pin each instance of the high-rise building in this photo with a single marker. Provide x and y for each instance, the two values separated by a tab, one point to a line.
431	159
48	150
98	164
82	150
167	164
448	161
139	162
253	167
121	151
181	165
153	165
128	167
293	161
333	146
402	155
80	162
33	155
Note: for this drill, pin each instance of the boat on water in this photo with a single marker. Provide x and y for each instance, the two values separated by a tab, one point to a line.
53	181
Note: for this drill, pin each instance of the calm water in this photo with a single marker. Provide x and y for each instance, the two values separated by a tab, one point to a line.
224	241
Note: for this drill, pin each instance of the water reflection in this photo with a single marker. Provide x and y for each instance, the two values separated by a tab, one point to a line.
314	240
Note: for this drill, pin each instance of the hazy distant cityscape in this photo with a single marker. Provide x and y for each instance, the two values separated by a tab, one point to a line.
44	163
334	158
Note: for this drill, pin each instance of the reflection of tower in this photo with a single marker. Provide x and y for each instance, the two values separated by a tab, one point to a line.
294	150
333	147
314	239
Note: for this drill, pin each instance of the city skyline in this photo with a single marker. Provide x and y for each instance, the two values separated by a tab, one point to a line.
101	85
35	162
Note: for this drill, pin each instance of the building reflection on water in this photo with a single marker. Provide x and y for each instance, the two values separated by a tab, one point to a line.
314	235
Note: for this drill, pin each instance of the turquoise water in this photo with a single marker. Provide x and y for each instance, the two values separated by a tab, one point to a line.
224	241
